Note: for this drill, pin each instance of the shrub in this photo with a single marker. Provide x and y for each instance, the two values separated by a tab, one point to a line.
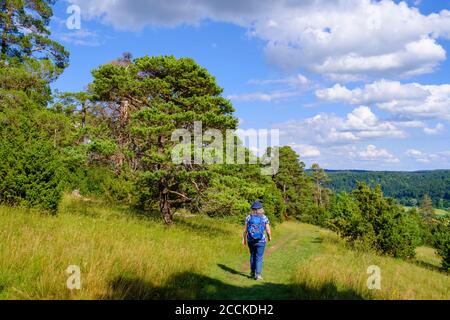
380	223
233	190
31	167
102	182
441	238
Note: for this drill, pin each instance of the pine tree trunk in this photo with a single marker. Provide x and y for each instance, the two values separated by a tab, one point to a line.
164	207
124	121
319	194
83	122
122	138
83	114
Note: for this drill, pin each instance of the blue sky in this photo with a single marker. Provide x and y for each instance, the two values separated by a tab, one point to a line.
350	84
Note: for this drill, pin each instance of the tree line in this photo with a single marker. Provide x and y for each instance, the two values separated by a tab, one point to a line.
409	188
113	141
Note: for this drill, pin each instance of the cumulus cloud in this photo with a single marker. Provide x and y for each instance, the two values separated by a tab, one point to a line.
262	96
324	36
325	128
82	37
422	157
409	101
277	89
298	81
305	150
434	131
372	153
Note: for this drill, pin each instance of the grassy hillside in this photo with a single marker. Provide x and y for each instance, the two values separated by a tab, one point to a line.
126	256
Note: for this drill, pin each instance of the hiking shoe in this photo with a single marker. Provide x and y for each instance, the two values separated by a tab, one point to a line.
252	275
258	278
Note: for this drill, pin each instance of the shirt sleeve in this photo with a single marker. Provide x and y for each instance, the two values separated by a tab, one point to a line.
266	221
247	219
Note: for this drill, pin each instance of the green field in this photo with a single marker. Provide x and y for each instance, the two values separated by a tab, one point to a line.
438	212
441	212
123	255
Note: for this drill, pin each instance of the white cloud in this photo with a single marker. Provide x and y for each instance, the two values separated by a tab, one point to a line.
372	153
350	40
296	81
262	96
343	40
325	128
306	151
409	101
434	131
82	37
278	89
422	157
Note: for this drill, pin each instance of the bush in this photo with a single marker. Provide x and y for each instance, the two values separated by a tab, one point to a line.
441	238
101	182
380	223
31	167
233	189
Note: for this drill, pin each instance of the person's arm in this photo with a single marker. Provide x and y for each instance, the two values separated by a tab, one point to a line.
244	238
269	232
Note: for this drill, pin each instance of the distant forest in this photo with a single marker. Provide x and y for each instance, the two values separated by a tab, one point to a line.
407	187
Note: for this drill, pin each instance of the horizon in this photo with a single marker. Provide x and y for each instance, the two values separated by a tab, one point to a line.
387	171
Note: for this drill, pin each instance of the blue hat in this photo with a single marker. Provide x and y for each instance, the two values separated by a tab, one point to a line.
257	205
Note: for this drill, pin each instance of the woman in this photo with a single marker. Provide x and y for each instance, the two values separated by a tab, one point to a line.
256	225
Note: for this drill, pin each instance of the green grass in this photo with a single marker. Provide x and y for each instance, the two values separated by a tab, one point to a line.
441	212
438	212
124	255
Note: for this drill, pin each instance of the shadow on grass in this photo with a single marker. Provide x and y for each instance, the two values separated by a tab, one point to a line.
317	240
428	266
202	229
326	291
232	271
193	286
145	215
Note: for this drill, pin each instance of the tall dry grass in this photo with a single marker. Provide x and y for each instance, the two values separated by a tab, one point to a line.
123	255
341	273
115	250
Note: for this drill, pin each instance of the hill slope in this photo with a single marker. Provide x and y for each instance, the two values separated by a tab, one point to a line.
126	256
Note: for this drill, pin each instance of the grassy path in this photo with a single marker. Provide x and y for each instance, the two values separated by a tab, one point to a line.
291	247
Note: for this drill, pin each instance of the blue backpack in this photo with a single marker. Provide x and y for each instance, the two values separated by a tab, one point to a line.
255	227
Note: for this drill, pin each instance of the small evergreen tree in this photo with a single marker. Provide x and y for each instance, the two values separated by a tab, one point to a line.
293	183
320	177
441	241
426	209
378	222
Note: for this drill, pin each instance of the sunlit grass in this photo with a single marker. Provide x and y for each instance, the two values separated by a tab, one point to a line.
126	255
107	243
340	273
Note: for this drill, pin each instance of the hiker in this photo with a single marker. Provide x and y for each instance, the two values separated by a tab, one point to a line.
256	225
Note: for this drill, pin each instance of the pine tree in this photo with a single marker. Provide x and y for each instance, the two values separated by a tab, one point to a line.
24	33
320	178
293	183
426	208
150	98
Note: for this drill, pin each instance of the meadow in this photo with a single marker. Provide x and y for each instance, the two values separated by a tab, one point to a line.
125	255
